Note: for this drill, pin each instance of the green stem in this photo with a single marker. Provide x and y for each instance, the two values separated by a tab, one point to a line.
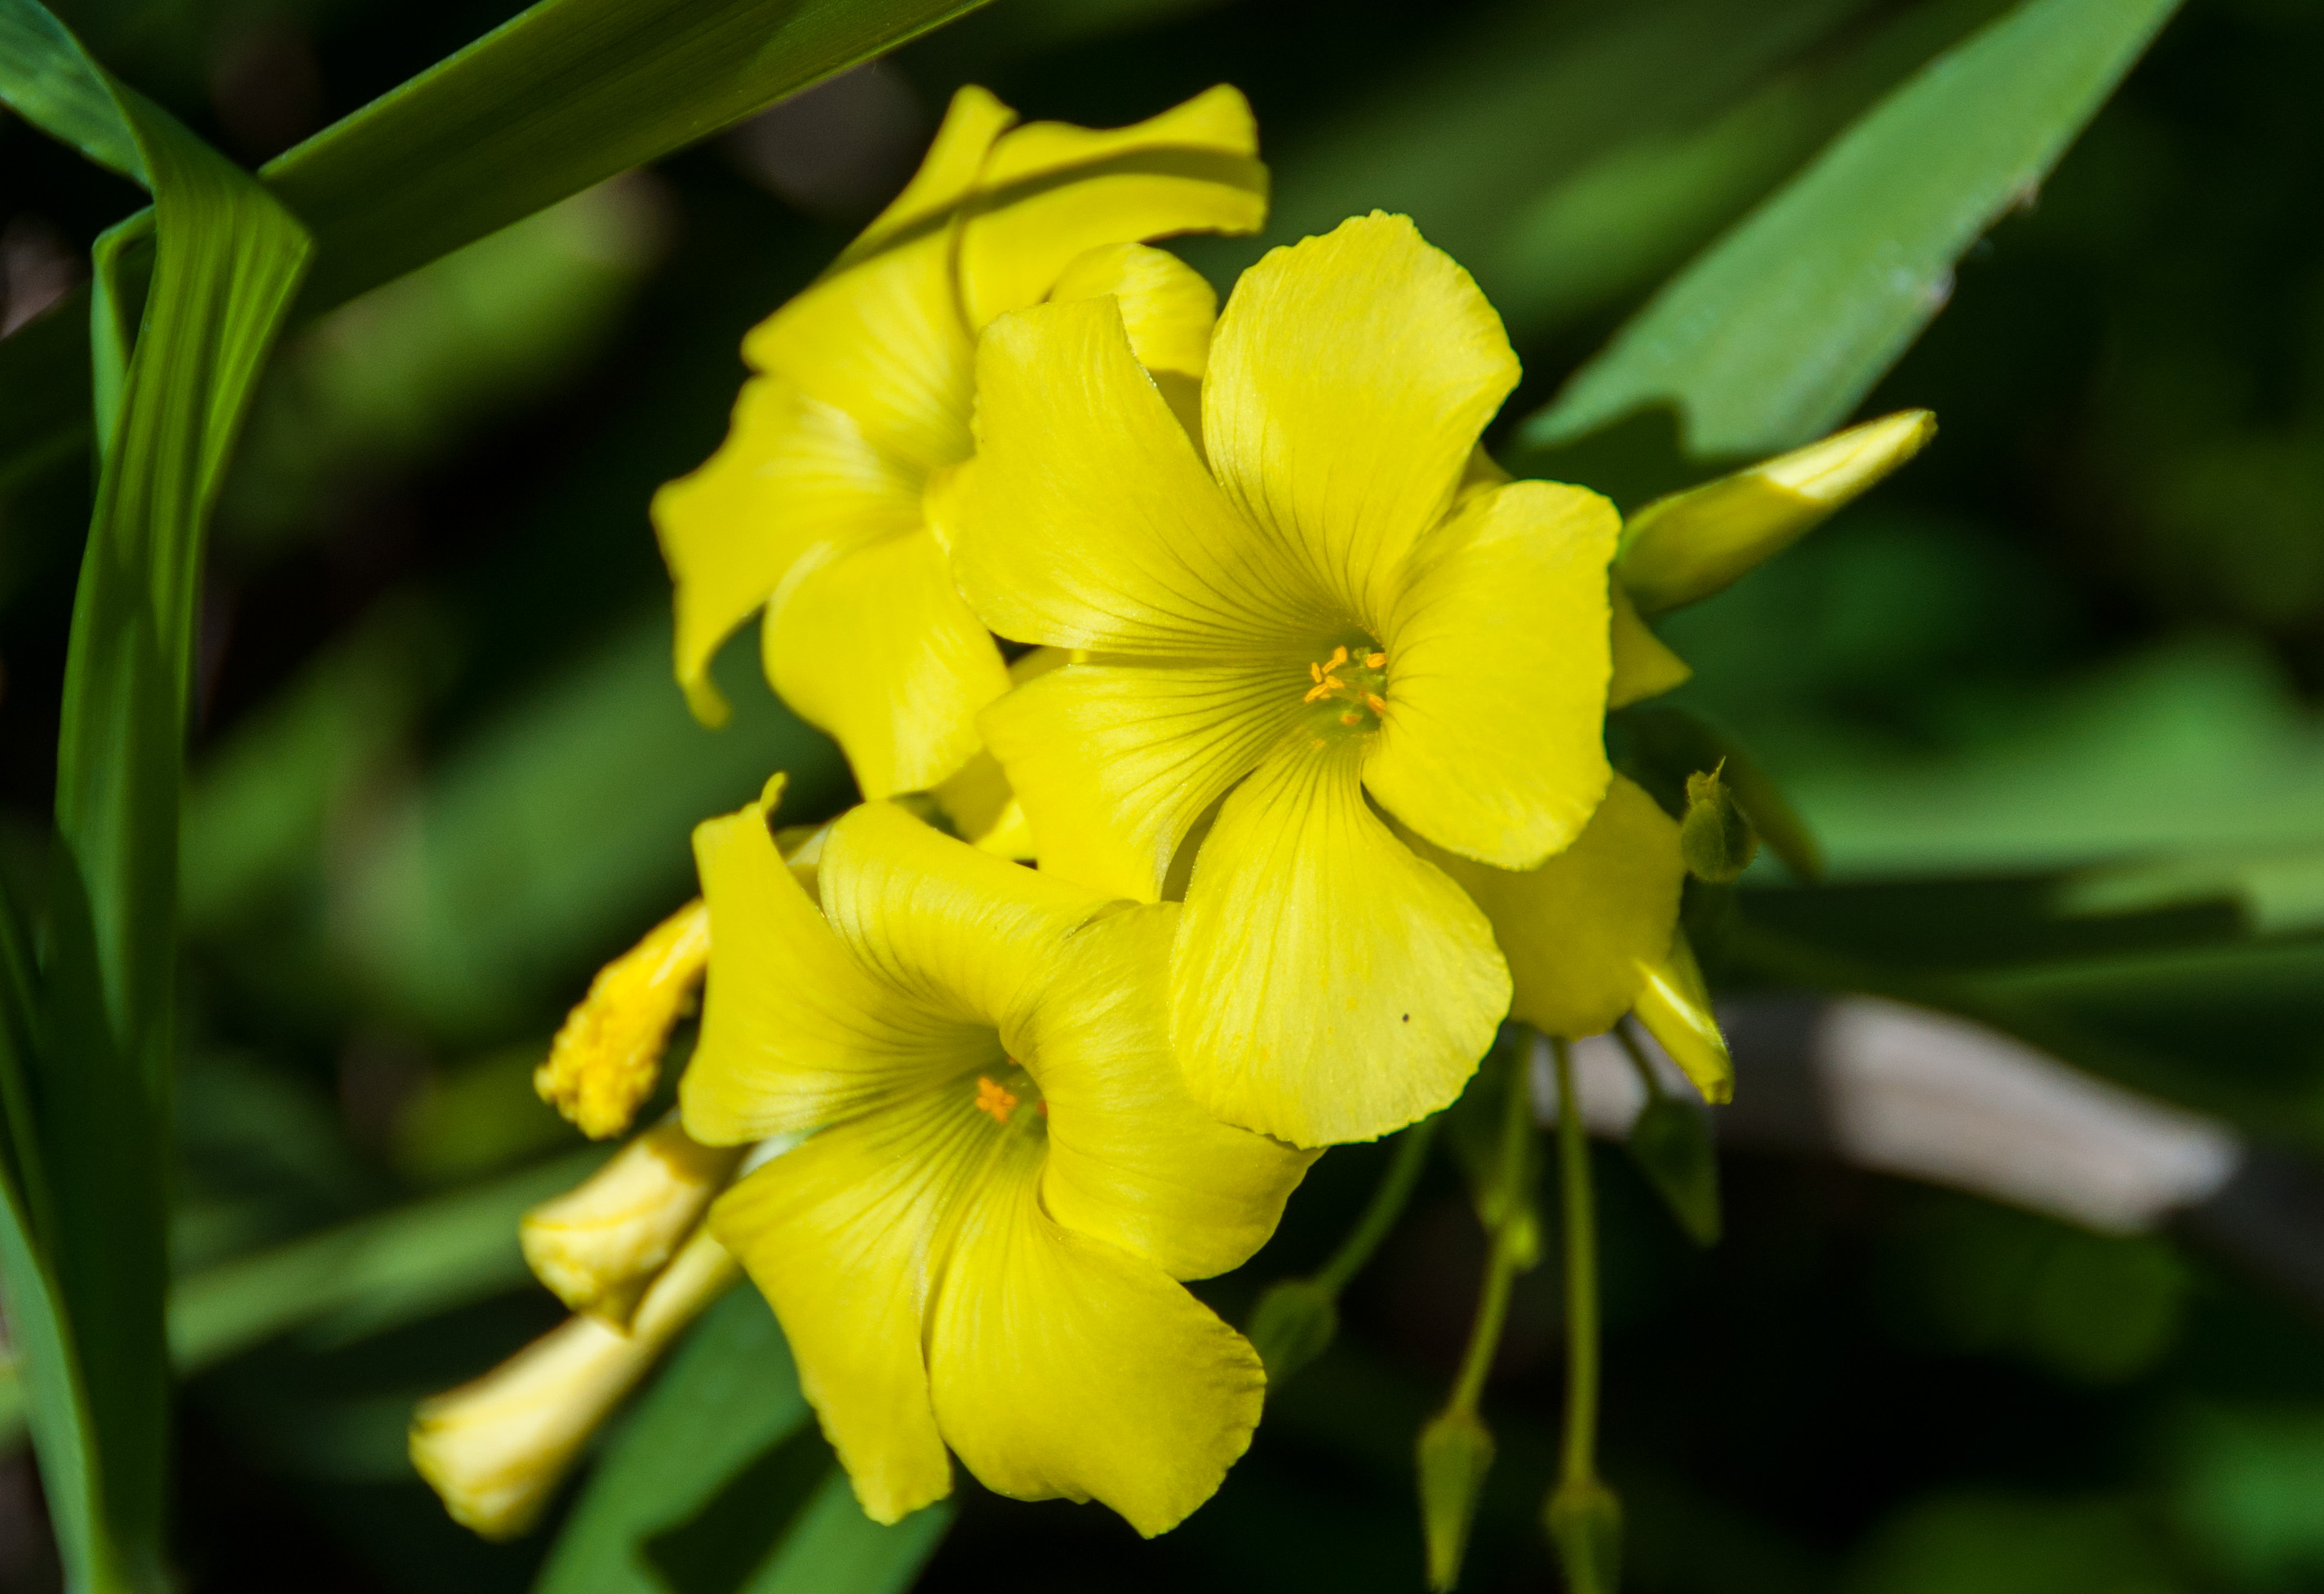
1386	1206
1501	1269
1580	1449
1628	1037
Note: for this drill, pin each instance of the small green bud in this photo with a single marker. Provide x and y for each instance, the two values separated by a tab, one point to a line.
1295	1323
1585	1523
1456	1451
1671	1143
1716	837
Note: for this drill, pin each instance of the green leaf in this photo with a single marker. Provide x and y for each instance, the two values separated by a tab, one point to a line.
1779	330
1671	1143
226	262
559	98
833	1548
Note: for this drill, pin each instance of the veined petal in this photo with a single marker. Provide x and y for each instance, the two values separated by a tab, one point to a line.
1577	930
977	802
1089	520
962	932
1132	1160
1063	1367
843	1234
1051	191
1643	665
796	1031
873	644
793	474
1168	309
1493	741
1327	984
1114	762
880	335
1349	376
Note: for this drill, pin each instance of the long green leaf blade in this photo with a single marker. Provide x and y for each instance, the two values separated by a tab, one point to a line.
1781	327
559	98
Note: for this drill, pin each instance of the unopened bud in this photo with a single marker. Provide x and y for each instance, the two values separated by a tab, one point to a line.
1684	548
1584	1520
1296	1322
1674	1006
598	1245
1455	1452
495	1449
603	1062
1716	837
1671	1143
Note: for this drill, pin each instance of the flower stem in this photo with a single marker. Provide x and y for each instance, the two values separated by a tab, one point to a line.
1385	1206
1628	1037
1579	1462
1510	1249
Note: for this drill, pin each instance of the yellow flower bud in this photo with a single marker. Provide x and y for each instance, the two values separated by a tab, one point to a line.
1456	1451
497	1449
605	1059
599	1245
1674	1006
1689	545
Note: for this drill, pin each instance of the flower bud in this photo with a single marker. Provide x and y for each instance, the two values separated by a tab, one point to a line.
604	1061
1684	548
1584	1520
1455	1451
1716	837
1676	1008
1296	1322
1671	1143
495	1449
598	1245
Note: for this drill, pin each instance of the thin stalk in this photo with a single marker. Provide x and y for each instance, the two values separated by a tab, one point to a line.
1385	1206
1501	1269
1579	1460
1627	1037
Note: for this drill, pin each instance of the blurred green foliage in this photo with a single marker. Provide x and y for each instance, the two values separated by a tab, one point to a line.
2046	702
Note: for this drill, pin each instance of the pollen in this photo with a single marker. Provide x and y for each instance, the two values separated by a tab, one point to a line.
995	1098
1357	681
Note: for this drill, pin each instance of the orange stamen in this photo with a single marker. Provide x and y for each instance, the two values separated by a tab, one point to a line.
995	1098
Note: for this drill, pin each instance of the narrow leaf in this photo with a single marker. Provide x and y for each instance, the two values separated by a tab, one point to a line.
1779	330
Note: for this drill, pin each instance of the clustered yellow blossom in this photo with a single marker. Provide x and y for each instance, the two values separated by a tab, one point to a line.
1295	701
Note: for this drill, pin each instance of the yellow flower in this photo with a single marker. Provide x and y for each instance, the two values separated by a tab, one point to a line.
1308	616
607	1056
816	506
497	1449
598	1245
1593	934
978	1245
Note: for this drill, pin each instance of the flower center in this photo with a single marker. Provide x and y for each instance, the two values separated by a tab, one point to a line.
1008	1091
1352	684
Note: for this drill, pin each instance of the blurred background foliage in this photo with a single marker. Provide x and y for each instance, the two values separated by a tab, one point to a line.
2059	674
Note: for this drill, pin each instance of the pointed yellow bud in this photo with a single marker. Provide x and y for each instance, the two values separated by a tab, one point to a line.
1674	1006
604	1062
1456	1451
1644	667
599	1245
497	1449
1689	545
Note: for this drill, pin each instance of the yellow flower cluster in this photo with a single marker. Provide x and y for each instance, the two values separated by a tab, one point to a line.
1305	734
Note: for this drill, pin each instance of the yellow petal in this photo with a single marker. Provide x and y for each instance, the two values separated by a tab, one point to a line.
841	1235
874	645
1115	762
1089	520
607	1055
1675	1005
1576	930
1065	1367
977	801
1132	1160
796	1031
1644	667
1328	984
793	474
1493	741
1051	191
1349	376
955	931
598	1245
497	1449
1686	546
881	335
1168	309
